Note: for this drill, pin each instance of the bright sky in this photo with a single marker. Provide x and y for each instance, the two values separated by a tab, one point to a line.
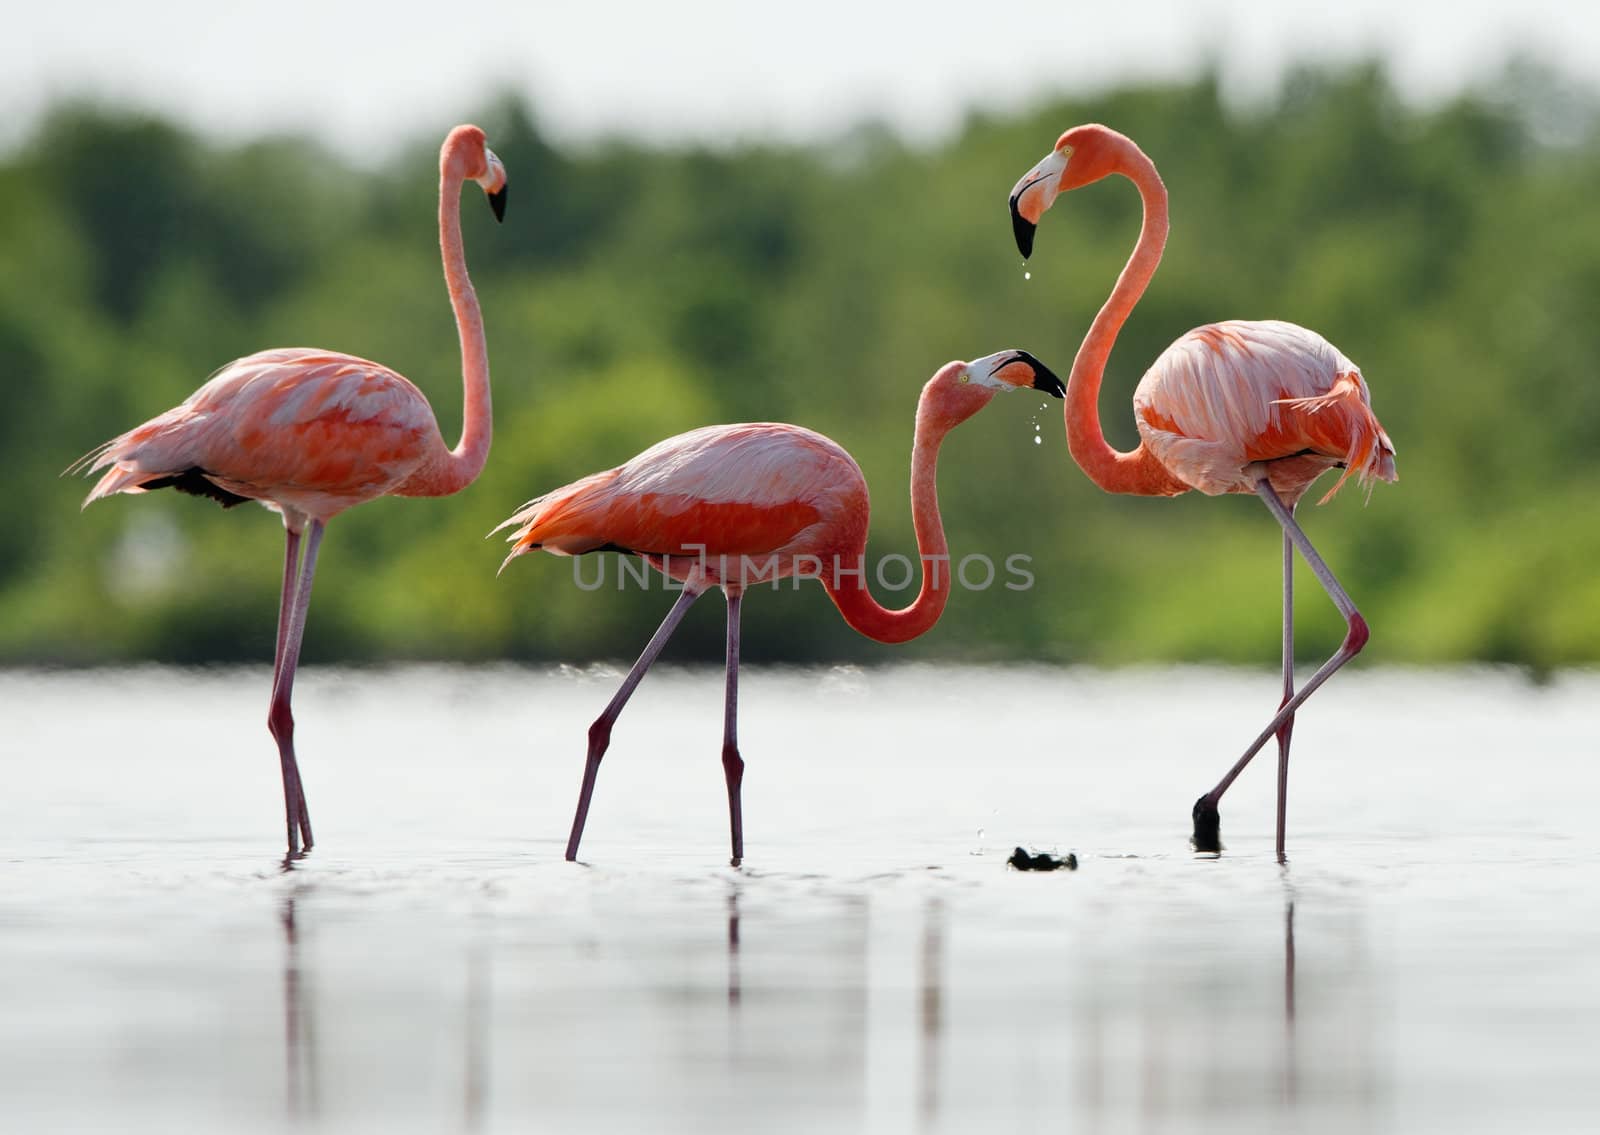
365	74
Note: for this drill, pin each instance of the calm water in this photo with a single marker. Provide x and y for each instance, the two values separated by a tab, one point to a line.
1425	963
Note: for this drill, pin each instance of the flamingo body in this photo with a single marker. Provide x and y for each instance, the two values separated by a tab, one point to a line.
1228	395
298	429
770	491
731	506
1235	407
310	433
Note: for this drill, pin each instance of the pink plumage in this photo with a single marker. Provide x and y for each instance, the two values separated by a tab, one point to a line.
312	432
1227	395
765	490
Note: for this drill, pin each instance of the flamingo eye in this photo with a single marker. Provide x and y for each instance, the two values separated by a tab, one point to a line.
965	378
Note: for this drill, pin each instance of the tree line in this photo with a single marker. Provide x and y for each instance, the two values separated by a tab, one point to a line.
637	290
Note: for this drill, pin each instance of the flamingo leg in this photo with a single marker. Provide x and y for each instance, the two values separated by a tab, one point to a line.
280	719
291	573
1206	820
600	731
1286	732
732	762
293	791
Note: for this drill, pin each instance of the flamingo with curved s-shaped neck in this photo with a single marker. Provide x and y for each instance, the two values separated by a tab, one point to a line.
1234	407
309	433
730	506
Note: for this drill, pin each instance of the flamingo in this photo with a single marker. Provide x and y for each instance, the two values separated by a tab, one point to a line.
309	433
726	506
1243	406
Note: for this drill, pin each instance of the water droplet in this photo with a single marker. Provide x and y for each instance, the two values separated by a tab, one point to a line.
1027	275
1037	440
980	833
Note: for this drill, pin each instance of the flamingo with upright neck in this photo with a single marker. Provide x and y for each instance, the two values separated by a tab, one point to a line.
738	505
1260	407
309	433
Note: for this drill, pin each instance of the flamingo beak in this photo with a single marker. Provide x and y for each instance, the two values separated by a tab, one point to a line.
493	183
1031	196
1014	370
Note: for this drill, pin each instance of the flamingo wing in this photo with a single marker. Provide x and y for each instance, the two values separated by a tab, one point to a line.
1229	394
312	430
761	488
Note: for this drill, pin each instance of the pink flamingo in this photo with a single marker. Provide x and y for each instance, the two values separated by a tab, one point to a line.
728	506
1234	407
310	433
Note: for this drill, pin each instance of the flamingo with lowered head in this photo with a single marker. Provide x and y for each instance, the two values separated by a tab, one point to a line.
309	433
1243	406
730	506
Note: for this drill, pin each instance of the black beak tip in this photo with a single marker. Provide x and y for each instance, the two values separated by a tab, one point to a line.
1043	377
497	202
1023	229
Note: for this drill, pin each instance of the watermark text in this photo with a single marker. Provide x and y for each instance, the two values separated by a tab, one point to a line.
894	572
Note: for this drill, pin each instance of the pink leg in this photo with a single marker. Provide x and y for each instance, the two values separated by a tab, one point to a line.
1206	820
600	731
1287	731
280	720
1210	839
293	793
732	762
291	574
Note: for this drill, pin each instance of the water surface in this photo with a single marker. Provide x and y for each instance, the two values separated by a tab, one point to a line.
1425	962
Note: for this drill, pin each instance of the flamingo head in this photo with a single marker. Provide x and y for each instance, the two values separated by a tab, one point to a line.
1083	155
466	154
960	390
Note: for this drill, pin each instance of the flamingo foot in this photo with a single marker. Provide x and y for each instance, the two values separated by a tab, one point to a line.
1207	826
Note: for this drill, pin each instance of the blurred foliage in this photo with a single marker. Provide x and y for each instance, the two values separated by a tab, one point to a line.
636	291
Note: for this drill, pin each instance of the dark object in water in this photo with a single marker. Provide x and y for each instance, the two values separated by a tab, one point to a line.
1043	861
1207	826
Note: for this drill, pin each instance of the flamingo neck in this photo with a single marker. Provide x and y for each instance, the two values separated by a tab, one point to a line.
459	467
1114	471
847	586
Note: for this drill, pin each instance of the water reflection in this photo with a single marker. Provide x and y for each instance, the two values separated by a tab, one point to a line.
299	1032
733	947
797	1017
477	1031
1291	1076
931	1004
